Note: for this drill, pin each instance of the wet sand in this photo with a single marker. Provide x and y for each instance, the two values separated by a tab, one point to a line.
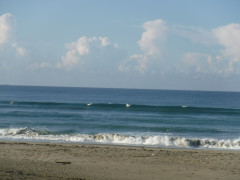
20	160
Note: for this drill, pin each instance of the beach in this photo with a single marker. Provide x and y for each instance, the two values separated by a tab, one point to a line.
30	160
109	134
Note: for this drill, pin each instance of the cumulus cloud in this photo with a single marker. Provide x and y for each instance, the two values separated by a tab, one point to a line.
5	27
78	49
150	44
229	37
152	38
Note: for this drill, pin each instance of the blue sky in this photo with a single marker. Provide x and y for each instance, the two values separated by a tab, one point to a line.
189	45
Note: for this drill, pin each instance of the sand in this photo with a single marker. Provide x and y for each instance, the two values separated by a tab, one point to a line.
21	160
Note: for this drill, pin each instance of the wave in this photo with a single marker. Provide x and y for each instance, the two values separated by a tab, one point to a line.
162	140
180	109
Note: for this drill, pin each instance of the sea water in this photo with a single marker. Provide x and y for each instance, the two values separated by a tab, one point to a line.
155	118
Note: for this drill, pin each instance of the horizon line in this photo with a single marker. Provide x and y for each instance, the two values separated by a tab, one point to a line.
59	86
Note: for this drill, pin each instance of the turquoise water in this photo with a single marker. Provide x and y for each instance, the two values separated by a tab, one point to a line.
159	118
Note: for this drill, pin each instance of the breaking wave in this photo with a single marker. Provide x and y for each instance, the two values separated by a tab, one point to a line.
163	140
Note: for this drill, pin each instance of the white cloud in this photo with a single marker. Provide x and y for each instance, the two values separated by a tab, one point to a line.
69	59
82	45
208	64
138	62
150	44
195	34
199	62
227	61
7	23
104	41
5	27
224	62
80	48
20	50
152	38
141	62
229	37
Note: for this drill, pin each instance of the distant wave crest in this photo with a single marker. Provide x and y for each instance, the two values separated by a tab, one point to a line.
182	109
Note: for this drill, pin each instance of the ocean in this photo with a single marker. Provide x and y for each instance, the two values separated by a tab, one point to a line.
136	117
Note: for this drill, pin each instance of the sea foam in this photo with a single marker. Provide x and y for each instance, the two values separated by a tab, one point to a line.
120	139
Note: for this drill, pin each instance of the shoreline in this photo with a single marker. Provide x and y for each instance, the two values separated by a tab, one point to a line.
32	141
39	160
116	145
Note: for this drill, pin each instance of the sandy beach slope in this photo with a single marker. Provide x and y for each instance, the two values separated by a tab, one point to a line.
20	160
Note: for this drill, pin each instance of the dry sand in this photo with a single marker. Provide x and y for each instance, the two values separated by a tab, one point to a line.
20	160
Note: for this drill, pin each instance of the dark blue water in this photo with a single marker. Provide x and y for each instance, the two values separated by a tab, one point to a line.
162	118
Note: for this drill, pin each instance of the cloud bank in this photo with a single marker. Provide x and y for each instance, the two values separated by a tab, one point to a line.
225	61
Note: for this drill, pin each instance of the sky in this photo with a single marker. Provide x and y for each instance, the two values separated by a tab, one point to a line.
146	44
